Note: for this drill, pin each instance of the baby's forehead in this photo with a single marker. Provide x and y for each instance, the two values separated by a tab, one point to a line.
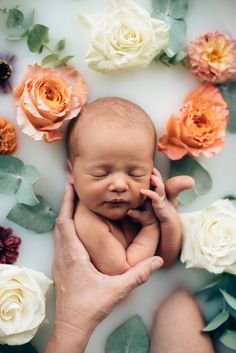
114	113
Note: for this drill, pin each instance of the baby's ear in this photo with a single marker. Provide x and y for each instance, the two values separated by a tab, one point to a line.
69	170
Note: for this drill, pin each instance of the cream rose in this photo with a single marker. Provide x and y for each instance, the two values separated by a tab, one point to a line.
209	238
124	36
22	303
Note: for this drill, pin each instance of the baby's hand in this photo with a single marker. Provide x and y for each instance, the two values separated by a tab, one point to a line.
144	216
158	197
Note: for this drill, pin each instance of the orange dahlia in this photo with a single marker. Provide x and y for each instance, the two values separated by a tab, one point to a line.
212	57
7	137
199	128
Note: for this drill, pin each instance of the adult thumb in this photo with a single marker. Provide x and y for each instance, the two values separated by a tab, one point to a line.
140	273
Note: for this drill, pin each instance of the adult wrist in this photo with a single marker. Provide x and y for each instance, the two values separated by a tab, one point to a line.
69	338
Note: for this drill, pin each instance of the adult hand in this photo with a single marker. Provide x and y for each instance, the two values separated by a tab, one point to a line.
174	186
84	296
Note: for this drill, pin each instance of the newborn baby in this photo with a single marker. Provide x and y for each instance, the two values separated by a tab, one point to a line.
122	215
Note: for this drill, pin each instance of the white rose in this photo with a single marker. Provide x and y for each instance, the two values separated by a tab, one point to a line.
209	238
124	36
22	303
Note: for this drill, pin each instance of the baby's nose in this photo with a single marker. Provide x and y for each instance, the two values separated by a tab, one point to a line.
119	184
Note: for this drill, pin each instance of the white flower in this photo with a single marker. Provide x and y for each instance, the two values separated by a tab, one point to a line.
22	303
210	238
124	36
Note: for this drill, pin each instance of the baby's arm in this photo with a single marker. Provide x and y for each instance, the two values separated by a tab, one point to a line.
171	238
145	242
106	252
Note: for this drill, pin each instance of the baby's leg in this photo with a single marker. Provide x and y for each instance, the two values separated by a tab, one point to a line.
177	327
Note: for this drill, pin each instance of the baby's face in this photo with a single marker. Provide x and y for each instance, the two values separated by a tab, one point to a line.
112	168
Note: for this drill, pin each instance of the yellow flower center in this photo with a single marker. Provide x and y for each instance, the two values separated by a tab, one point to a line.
214	55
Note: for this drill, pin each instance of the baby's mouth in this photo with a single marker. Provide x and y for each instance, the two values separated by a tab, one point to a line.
116	202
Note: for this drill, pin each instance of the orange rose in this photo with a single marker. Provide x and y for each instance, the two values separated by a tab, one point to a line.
199	128
46	98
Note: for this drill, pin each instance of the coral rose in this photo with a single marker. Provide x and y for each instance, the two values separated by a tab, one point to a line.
212	57
46	98
200	127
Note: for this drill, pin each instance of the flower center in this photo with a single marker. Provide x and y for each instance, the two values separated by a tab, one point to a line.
5	70
199	121
214	56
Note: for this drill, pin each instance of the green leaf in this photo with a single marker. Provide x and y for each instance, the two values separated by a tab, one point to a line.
228	91
10	174
209	285
230	300
15	18
174	8
191	167
177	34
39	218
129	338
66	59
52	58
60	45
25	192
37	36
228	338
25	348
230	197
217	321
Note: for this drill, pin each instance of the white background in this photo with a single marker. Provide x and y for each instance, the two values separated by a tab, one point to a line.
160	91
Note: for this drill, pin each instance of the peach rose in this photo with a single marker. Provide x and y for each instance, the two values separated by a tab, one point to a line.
46	98
199	128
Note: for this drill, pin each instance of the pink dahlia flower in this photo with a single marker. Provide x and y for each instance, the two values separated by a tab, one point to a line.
212	57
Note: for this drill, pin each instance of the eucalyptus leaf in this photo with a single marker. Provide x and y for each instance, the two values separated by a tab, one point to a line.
230	300
15	18
39	218
210	285
129	338
37	36
230	197
25	194
174	8
228	338
217	321
66	59
25	348
52	58
177	34
60	45
191	167
10	174
228	91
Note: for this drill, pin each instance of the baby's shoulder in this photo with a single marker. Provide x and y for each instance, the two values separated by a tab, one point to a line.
85	218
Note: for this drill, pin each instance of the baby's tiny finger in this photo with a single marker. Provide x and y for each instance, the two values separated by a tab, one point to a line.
157	173
159	185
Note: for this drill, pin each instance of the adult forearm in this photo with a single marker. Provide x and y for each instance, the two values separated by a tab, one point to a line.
67	338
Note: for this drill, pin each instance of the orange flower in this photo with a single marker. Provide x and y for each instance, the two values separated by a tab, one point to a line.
7	137
199	128
46	99
212	57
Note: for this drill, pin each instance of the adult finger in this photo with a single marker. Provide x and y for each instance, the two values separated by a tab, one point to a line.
139	274
70	240
57	242
67	204
174	186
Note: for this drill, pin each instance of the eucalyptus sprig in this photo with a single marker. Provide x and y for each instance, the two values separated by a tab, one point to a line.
173	12
222	292
37	36
31	211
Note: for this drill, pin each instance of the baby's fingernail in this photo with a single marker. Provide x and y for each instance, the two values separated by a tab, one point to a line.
158	262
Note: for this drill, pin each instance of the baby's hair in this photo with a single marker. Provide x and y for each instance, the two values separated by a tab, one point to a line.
112	111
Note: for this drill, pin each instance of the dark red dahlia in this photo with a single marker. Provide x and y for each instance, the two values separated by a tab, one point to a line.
9	245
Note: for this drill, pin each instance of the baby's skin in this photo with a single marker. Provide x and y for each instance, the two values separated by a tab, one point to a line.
123	215
119	245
